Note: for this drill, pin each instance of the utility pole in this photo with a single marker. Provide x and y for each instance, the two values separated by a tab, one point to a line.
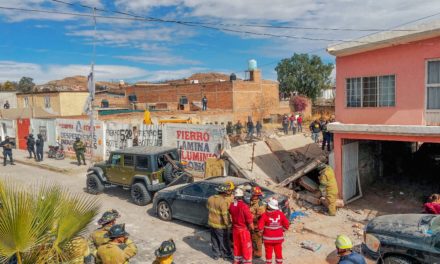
91	88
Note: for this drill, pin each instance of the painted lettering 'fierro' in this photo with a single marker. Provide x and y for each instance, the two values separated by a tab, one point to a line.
191	135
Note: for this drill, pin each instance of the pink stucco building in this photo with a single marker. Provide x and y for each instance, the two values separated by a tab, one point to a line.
388	91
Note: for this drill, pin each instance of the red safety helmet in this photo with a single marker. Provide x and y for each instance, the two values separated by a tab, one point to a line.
256	191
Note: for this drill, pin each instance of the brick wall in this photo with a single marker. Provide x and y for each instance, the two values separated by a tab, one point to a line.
113	101
219	94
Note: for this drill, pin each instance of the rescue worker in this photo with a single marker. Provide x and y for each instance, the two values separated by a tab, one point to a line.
344	248
79	148
273	223
219	222
164	254
229	128
30	144
242	222
258	208
7	146
119	250
107	220
328	187
82	253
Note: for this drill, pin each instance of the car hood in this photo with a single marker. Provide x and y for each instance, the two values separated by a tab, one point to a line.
408	225
101	165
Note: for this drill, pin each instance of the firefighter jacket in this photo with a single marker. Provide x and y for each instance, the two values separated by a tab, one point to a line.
98	236
116	253
241	215
327	182
273	224
257	209
218	217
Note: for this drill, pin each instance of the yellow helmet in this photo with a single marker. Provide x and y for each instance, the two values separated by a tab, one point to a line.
343	242
231	185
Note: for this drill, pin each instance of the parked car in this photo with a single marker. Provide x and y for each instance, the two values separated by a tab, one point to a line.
143	170
187	202
403	239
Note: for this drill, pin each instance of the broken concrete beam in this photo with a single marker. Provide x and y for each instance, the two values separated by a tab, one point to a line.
308	184
309	198
309	167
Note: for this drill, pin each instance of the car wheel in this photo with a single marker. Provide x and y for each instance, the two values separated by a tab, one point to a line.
140	195
94	184
164	211
397	260
59	156
168	174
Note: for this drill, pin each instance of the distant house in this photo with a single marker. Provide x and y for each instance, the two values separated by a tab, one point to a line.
388	100
60	103
9	96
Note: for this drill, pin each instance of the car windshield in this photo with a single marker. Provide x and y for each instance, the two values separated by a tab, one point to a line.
434	225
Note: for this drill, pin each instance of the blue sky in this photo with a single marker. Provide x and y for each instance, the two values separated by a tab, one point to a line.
53	46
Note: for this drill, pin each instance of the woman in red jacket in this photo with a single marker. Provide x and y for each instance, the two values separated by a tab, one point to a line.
273	223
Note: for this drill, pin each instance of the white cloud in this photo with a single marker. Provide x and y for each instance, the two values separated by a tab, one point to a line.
13	71
159	59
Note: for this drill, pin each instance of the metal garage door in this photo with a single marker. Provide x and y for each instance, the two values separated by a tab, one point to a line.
350	170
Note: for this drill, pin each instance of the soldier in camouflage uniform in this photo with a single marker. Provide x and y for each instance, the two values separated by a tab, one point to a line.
164	254
79	148
107	220
257	209
119	250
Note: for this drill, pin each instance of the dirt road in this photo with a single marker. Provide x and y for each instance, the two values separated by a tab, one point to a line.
192	241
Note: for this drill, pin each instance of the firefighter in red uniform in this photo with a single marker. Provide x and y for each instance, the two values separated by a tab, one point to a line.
242	222
273	223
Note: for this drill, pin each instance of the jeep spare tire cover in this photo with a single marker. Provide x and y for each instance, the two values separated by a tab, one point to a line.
168	173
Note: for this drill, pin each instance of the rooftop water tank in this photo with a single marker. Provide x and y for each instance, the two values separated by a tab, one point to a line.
252	65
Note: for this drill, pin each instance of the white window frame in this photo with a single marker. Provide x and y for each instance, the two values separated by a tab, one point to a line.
377	94
26	101
430	85
47	102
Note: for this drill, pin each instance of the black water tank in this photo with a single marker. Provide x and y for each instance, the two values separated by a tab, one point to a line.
104	103
132	98
183	100
233	77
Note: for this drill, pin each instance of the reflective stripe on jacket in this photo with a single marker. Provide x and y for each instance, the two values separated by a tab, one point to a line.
218	207
273	224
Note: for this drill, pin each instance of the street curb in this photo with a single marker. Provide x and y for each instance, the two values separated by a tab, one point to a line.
41	166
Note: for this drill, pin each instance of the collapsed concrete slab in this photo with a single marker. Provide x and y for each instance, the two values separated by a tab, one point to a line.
266	170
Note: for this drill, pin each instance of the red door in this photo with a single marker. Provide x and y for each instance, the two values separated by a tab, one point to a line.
22	132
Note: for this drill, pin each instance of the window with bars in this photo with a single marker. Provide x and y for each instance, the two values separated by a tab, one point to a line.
433	85
375	91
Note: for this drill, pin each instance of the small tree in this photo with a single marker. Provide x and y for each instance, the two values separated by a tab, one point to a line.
299	103
307	75
42	224
9	86
26	84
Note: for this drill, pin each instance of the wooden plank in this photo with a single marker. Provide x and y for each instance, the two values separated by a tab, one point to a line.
308	168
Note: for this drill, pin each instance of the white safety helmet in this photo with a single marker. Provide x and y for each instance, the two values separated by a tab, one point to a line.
238	192
273	204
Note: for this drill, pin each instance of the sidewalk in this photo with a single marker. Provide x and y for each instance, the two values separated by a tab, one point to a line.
67	166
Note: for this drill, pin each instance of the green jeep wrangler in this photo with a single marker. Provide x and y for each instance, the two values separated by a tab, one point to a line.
143	170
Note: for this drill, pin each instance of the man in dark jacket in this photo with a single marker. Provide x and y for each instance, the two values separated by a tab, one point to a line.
250	128
204	103
40	147
30	143
7	146
315	128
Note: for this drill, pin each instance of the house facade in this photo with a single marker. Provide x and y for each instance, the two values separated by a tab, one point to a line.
59	103
388	91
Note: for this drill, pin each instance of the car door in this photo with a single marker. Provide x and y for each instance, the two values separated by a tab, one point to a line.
190	203
127	170
114	170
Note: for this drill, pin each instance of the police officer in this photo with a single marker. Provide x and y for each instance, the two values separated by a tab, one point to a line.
7	146
164	254
120	249
79	148
258	208
40	147
30	144
107	220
